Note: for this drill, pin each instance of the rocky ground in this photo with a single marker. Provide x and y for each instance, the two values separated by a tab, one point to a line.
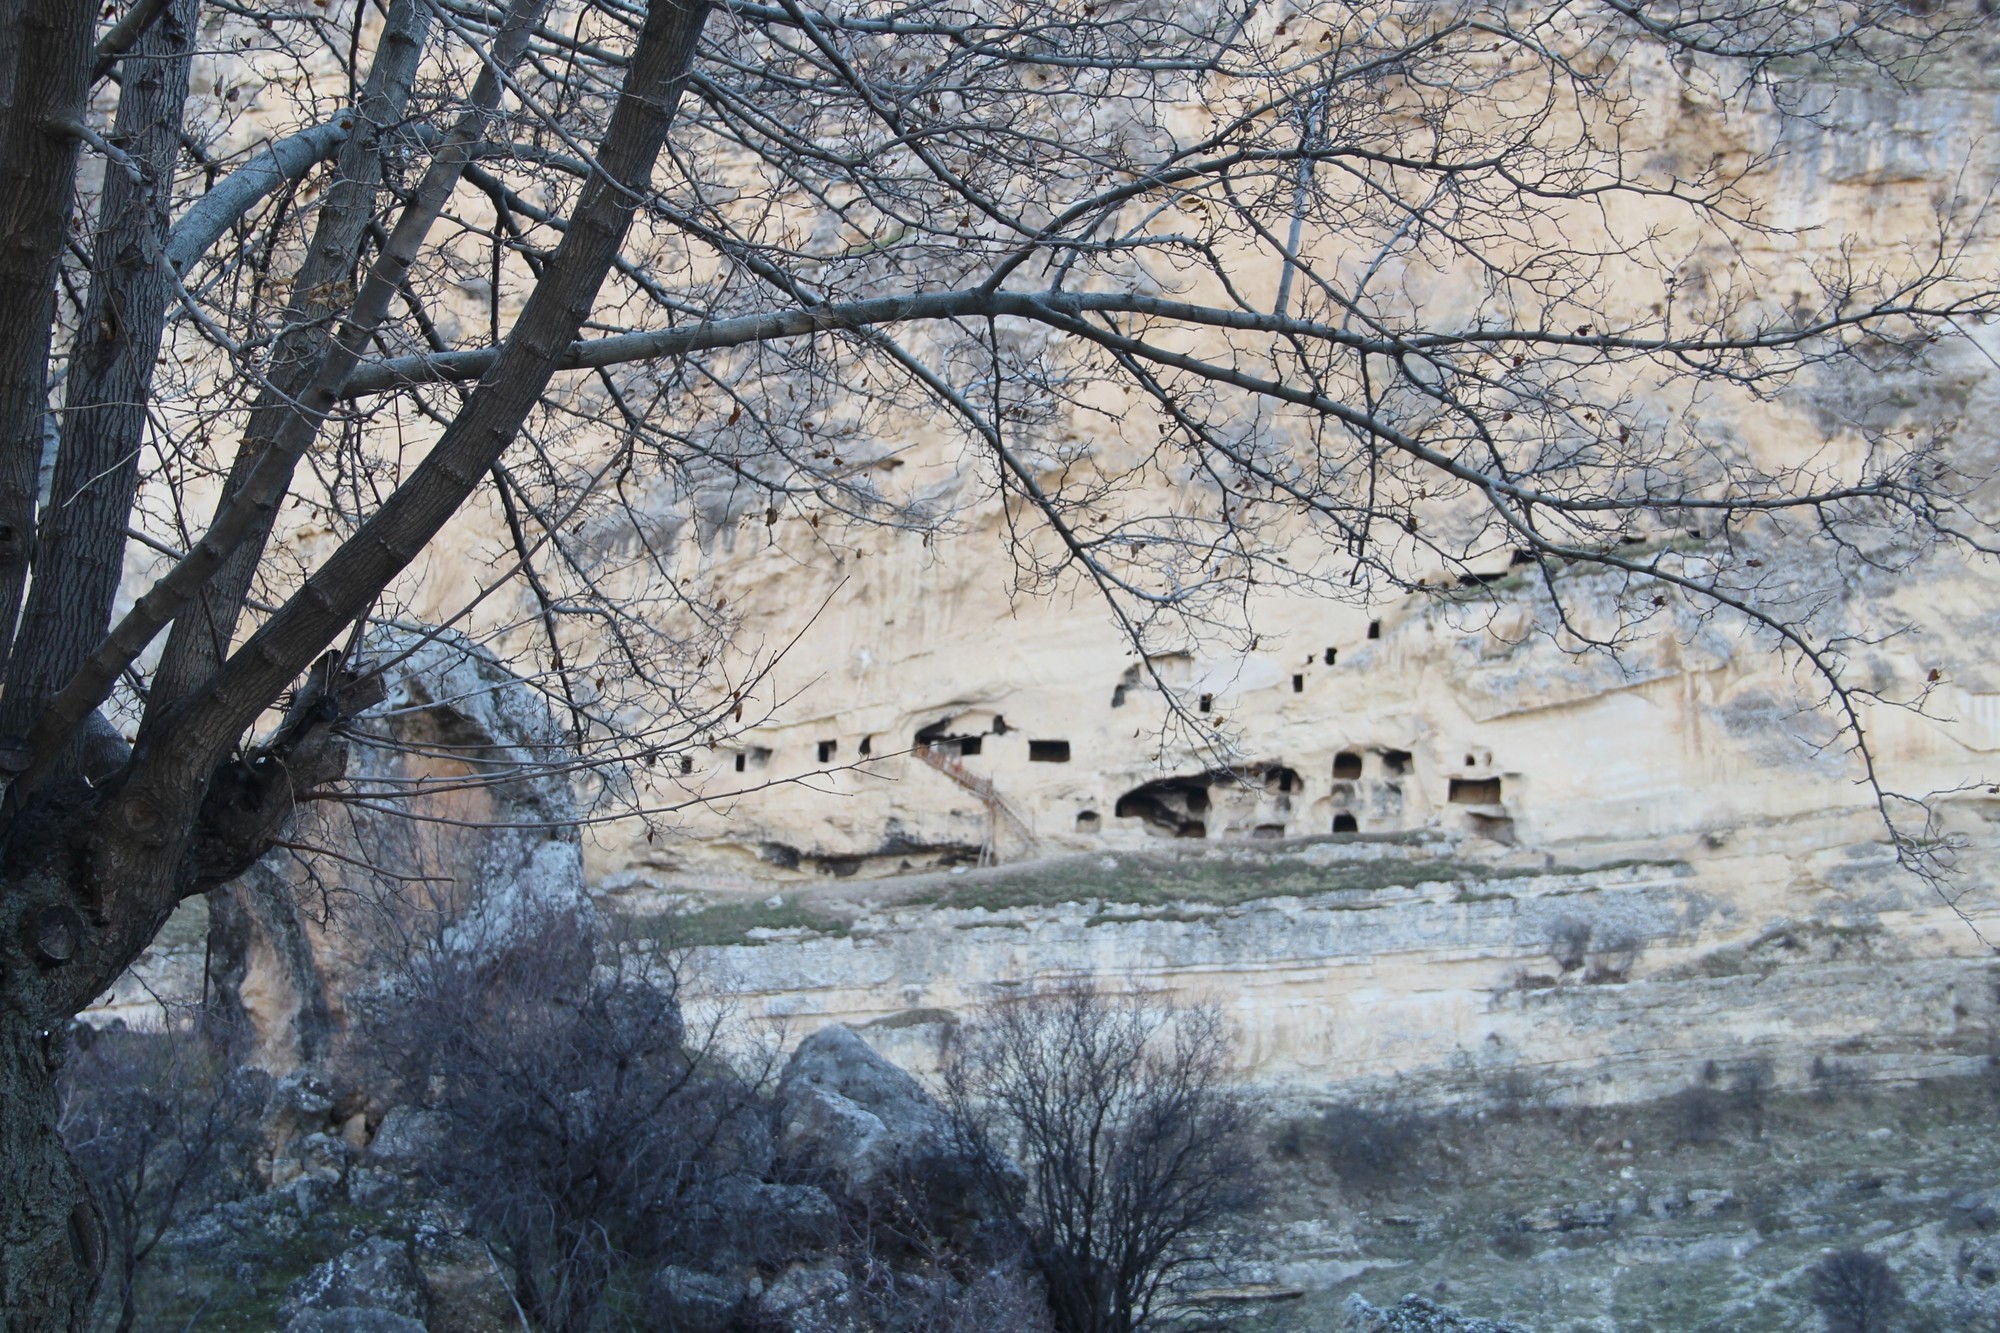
1701	1213
1588	1222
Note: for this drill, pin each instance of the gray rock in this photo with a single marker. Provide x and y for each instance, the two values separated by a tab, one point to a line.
407	1138
1710	1203
847	1111
324	1154
1981	1209
748	1222
311	1194
690	1302
377	1274
812	1298
1569	1216
373	1189
1414	1314
353	1319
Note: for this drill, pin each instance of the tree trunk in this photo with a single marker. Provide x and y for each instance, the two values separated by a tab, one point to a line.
80	544
38	155
51	1238
89	873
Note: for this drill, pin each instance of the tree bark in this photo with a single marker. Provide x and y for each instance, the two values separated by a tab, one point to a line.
38	156
51	1238
80	545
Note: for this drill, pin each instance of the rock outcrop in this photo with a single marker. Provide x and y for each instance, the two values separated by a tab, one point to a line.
1414	1314
483	833
846	1111
375	1287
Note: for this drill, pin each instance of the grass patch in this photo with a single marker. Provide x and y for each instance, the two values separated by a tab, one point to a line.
1152	884
1160	881
731	921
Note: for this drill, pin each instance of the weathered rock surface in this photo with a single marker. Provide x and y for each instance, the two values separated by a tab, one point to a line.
1414	1314
845	1110
687	1301
296	939
353	1319
377	1275
1393	968
812	1298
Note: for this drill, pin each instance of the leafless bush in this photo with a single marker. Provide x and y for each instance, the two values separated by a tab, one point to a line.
1515	1093
1569	942
1855	1292
587	1125
1365	1146
1132	1148
1834	1079
1705	1110
161	1124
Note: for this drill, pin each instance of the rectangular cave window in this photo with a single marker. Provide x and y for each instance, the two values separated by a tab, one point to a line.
1475	791
1374	629
742	761
1298	684
1048	752
827	750
687	763
1332	656
1346	766
969	745
1346	824
1207	703
1397	761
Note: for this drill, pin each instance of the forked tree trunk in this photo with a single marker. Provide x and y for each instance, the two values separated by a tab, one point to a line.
88	874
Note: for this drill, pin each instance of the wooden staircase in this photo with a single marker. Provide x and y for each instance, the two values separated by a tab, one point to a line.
997	809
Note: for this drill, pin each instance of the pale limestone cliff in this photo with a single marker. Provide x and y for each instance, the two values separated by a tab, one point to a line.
1764	916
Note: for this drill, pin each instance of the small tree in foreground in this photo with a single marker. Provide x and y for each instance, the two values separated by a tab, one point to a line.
586	1122
1855	1292
1132	1149
160	1124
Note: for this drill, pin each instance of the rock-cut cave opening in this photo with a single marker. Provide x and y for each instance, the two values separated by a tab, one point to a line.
1176	806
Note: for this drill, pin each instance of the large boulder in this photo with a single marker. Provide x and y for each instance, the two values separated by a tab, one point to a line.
812	1298
378	1275
867	1130
685	1301
1414	1314
849	1114
353	1319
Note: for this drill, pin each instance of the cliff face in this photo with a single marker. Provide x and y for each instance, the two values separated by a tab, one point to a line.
1467	711
1605	869
1372	967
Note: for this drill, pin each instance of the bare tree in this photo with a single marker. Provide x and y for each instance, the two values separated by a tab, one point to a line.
586	1123
161	1124
1134	1150
1855	1292
1368	289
